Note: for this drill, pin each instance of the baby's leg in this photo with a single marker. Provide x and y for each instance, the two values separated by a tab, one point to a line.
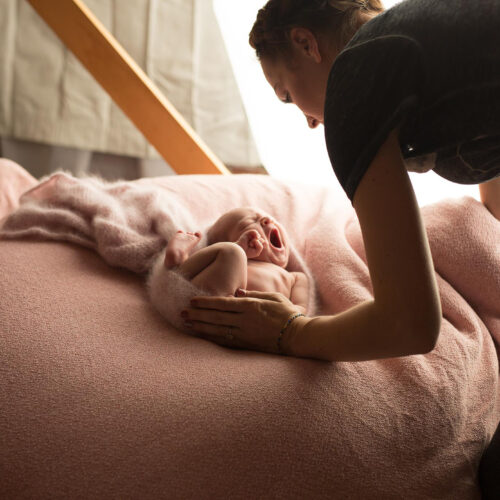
220	268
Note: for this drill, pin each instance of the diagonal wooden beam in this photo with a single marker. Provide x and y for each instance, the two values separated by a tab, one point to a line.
131	89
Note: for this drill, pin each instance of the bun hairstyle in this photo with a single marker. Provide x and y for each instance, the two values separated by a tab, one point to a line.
270	35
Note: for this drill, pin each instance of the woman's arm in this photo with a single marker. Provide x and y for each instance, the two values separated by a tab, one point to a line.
403	319
490	196
405	316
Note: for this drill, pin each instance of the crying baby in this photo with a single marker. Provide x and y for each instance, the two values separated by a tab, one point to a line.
246	249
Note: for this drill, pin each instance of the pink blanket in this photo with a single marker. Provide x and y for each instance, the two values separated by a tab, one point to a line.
127	224
255	424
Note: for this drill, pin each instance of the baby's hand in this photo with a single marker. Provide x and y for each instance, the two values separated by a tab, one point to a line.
252	242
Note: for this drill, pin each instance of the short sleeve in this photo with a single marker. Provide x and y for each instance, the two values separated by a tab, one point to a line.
372	88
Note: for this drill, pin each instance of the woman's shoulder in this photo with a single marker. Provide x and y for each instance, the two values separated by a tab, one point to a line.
424	19
383	48
439	28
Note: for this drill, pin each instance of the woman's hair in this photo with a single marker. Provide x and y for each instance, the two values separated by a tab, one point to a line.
339	19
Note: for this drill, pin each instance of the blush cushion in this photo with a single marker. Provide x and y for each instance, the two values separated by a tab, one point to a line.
101	398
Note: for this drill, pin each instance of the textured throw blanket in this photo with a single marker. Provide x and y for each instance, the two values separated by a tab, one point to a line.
82	350
129	224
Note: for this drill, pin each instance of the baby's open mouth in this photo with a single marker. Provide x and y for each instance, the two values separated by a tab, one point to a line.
274	238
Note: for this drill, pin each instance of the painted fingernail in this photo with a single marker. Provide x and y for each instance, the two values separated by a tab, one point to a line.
240	292
184	314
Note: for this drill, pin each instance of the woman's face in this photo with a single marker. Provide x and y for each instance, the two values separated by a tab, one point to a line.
302	80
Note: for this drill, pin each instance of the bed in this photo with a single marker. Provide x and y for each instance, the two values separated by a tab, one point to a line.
101	398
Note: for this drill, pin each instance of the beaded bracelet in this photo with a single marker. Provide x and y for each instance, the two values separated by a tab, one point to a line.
285	326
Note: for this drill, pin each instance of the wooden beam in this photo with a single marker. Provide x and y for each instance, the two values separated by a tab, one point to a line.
131	89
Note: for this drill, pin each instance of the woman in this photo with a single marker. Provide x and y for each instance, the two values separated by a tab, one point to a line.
417	86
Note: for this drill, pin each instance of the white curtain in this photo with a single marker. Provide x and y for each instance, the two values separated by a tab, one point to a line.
47	98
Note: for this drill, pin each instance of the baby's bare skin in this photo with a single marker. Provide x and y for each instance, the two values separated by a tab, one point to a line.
266	277
250	261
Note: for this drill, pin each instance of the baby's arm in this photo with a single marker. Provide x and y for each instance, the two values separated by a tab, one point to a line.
299	294
252	243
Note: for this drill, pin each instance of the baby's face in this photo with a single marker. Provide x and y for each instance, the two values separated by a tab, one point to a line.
265	236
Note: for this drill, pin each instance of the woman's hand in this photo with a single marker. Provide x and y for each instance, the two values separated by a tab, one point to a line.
252	320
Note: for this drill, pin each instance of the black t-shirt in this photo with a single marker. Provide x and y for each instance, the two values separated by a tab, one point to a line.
430	68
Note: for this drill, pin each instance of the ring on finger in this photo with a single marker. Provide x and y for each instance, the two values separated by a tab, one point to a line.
229	335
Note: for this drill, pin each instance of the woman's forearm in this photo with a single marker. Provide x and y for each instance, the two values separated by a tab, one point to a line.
490	196
405	316
358	334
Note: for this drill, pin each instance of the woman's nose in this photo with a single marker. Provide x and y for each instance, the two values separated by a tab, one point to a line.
312	122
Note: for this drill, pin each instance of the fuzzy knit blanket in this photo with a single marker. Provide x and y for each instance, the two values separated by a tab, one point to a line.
127	224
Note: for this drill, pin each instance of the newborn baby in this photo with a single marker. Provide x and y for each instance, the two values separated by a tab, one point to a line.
247	249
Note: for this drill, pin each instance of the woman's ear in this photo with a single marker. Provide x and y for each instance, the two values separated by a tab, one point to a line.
306	43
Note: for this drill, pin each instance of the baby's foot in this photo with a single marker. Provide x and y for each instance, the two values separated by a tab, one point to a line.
179	248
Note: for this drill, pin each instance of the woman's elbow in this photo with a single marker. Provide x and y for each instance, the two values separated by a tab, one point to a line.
416	330
425	330
430	337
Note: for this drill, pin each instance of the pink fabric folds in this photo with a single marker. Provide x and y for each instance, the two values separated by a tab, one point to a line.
14	181
128	224
101	398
